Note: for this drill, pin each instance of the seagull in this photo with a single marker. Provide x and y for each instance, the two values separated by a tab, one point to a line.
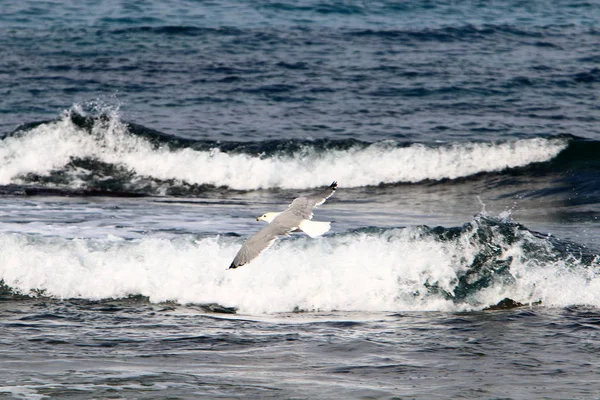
296	218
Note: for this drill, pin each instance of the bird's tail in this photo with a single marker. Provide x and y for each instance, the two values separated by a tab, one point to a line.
314	228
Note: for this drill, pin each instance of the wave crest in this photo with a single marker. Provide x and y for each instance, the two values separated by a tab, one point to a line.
374	269
103	152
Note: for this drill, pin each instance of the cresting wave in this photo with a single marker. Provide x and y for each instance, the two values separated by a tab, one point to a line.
104	152
420	268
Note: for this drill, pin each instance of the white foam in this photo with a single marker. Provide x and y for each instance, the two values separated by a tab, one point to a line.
51	146
352	272
28	392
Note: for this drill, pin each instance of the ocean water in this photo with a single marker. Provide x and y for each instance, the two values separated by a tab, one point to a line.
140	140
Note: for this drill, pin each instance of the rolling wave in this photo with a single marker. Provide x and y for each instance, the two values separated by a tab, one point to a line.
419	268
460	32
78	152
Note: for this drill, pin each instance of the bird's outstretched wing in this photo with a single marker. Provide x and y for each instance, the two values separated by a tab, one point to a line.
259	242
303	206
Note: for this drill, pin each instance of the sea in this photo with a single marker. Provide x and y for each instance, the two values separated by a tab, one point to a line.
139	141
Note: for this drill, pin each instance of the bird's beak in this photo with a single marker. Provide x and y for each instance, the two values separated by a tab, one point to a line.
258	218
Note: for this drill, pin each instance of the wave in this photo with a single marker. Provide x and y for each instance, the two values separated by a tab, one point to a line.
456	33
103	153
450	33
373	269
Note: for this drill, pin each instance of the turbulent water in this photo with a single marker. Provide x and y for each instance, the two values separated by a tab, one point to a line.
140	140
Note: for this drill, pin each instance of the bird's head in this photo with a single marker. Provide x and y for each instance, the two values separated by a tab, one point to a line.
268	217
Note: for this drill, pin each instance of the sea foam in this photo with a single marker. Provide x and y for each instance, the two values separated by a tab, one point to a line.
50	147
369	270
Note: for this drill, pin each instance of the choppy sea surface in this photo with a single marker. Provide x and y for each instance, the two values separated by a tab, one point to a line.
140	140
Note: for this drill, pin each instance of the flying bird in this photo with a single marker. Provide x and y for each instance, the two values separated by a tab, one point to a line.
296	218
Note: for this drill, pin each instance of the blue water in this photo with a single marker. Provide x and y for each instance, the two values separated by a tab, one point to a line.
423	71
140	140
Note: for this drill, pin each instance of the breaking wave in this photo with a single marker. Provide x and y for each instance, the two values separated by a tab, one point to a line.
373	269
103	153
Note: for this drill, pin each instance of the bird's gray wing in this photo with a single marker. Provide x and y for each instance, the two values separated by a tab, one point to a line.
303	206
259	242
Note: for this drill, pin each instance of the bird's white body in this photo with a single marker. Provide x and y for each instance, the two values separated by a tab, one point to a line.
314	228
311	228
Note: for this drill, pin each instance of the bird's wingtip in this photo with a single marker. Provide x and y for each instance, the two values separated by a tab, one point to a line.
233	266
333	185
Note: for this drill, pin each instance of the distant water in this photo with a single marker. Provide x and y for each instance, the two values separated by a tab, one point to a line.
139	141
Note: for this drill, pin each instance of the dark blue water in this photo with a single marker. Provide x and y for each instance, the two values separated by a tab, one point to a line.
250	71
140	140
